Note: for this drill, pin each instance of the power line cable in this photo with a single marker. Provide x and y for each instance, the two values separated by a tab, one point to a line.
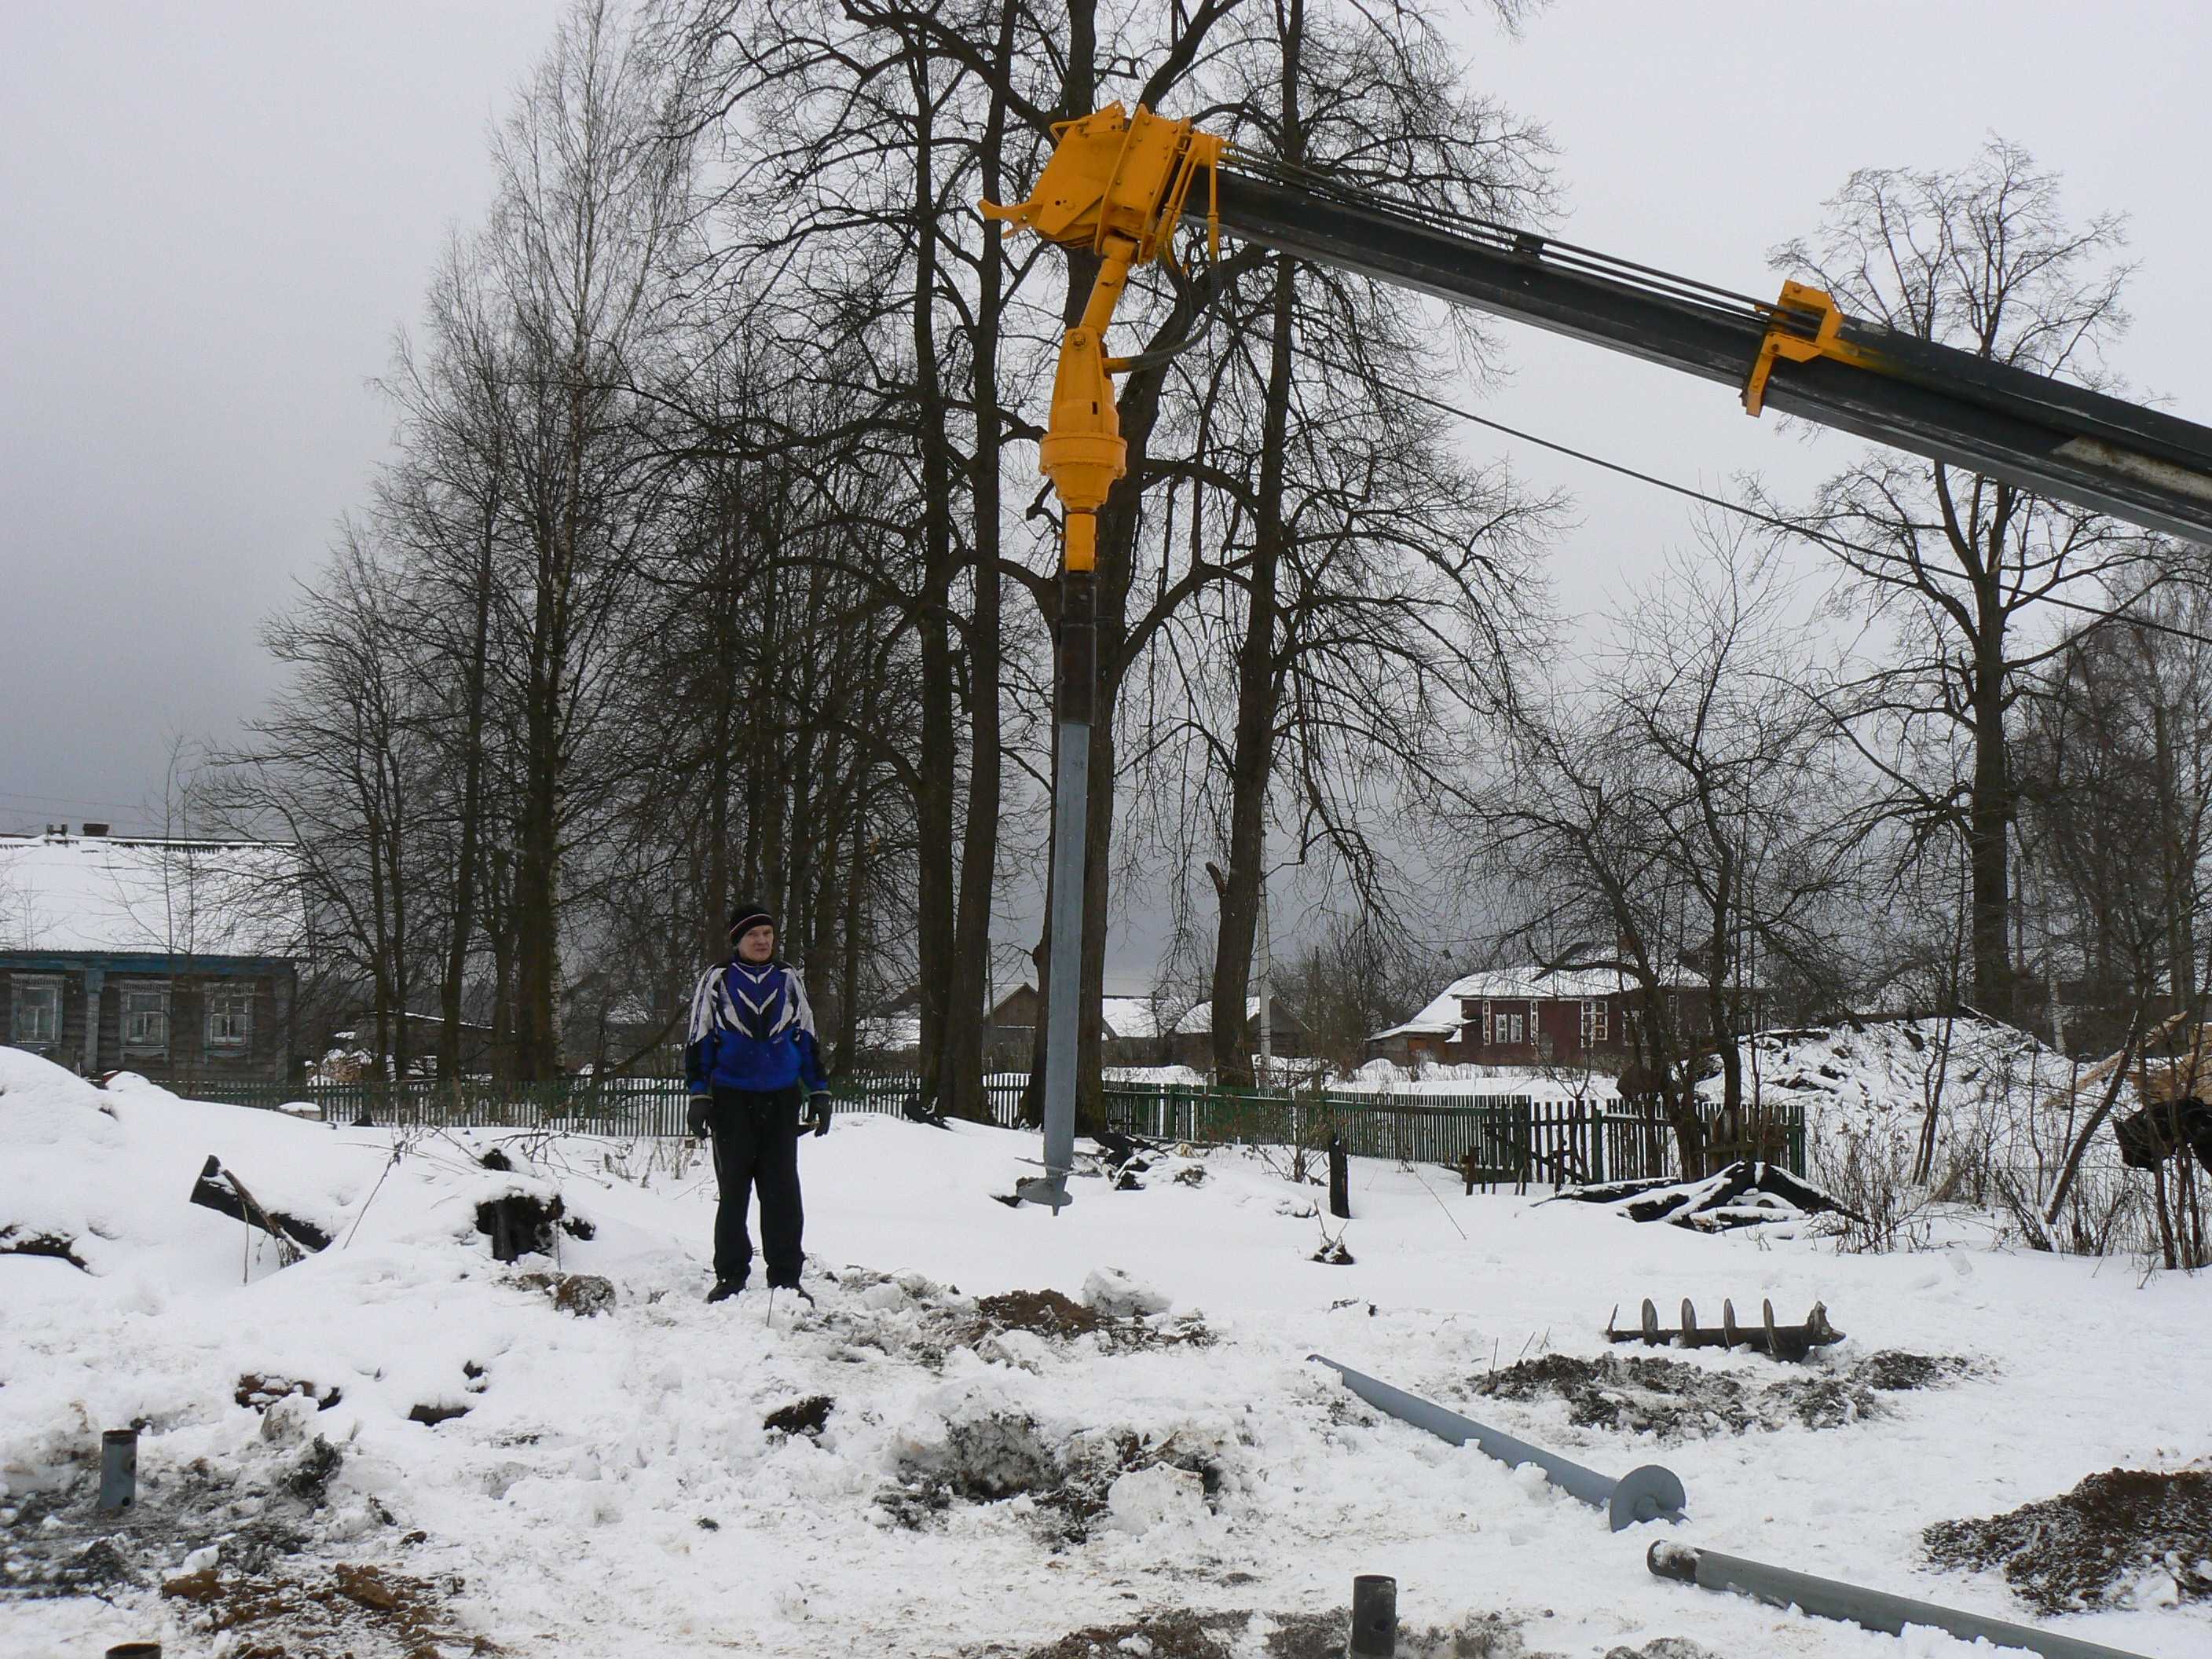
2101	613
72	800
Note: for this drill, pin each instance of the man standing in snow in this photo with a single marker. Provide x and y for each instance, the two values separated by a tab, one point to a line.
751	1054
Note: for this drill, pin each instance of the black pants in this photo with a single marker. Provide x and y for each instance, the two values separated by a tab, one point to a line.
757	1149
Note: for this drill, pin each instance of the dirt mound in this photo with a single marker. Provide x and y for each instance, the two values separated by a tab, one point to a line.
353	1610
1180	1634
260	1392
1071	1482
1046	1312
580	1294
255	1517
1675	1399
1188	1633
2125	1538
1059	1318
805	1416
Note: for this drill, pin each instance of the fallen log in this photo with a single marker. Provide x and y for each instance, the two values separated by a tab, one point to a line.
222	1191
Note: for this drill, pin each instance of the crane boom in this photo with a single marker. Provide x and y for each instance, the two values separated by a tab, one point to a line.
1799	354
2045	434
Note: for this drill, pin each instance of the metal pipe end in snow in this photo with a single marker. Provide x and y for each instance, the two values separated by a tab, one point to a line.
1647	1493
1650	1492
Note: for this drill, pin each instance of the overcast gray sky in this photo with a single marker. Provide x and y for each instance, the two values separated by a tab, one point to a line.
212	217
216	213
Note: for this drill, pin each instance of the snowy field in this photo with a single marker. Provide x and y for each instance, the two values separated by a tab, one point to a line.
976	1487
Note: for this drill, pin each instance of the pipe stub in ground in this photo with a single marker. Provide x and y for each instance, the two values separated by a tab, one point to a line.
135	1651
118	1468
1647	1493
1374	1617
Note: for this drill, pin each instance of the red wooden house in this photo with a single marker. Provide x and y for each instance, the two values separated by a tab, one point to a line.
1531	1015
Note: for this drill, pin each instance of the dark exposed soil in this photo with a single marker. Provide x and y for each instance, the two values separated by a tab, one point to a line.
432	1415
264	1595
1178	1634
1675	1399
520	1225
1048	1314
341	1613
805	1416
262	1392
55	1543
1006	1455
581	1294
2093	1546
308	1479
1188	1633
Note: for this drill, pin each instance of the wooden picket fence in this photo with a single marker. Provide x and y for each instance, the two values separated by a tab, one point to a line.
1511	1139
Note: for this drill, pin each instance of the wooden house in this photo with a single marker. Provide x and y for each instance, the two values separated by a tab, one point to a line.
175	958
1531	1016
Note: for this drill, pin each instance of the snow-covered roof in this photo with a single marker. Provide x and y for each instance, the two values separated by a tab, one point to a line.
137	895
888	1033
1199	1022
1441	1017
1445	1015
1542	984
1138	1017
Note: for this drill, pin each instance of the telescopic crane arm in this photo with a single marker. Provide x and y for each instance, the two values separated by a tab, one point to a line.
1800	354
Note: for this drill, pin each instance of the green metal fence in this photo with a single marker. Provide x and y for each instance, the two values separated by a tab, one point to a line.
1498	1139
1495	1137
620	1106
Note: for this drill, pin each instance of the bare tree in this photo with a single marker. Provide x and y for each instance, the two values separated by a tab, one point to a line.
2116	786
590	192
1675	824
1983	259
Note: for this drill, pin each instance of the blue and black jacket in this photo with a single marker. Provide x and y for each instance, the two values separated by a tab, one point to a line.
751	1028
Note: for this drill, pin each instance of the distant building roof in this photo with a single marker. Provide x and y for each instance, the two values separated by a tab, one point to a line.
145	896
1199	1022
888	1033
1445	1015
1138	1017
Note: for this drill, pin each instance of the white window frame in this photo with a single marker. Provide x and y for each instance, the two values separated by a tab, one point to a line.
126	1015
232	1006
1596	1022
22	987
1513	1025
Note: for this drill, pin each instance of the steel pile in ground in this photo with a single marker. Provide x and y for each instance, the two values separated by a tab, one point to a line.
1854	1604
1645	1493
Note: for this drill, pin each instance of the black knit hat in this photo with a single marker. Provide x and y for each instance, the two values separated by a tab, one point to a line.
746	917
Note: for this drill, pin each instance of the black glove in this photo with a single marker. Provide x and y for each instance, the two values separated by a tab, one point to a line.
701	1112
818	1111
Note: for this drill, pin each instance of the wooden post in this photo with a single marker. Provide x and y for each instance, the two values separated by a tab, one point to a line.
1339	1179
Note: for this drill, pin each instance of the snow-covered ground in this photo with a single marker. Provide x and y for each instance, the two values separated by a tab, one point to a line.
611	1489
